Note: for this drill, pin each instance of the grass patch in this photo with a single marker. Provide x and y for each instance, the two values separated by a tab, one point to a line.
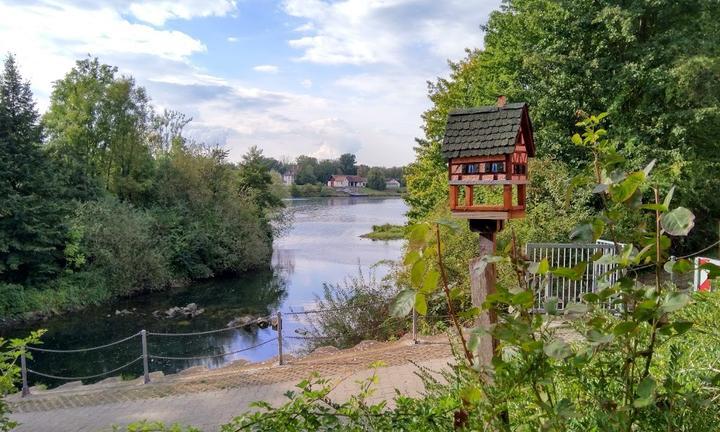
386	232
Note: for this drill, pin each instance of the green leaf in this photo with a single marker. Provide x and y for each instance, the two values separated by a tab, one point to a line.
430	283
417	273
577	140
403	303
624	328
645	392
669	197
523	298
411	258
649	167
674	301
420	303
471	395
574	273
682	327
626	189
476	334
557	349
595	337
678	222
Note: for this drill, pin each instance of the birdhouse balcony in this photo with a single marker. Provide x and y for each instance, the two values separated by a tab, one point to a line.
488	187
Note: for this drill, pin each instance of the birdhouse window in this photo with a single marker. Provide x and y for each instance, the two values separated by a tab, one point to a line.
495	167
519	169
470	168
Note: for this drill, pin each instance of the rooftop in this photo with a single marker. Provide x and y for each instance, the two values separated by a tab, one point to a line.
483	131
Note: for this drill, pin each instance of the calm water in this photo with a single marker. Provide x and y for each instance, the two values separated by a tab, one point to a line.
321	245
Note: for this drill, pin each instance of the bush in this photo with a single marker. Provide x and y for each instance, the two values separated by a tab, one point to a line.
354	310
119	246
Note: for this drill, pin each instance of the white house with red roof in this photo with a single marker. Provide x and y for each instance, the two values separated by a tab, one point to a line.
343	181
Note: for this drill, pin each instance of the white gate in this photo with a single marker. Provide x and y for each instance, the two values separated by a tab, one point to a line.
569	255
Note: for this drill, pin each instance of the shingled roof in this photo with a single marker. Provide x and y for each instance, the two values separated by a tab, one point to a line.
484	131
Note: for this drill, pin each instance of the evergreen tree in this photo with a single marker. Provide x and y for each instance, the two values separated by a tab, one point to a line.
32	234
255	178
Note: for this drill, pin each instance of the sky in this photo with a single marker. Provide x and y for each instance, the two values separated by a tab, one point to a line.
293	77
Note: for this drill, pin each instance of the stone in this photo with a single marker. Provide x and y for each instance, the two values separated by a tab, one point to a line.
244	321
123	312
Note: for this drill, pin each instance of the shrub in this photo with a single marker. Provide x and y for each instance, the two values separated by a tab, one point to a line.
113	235
354	310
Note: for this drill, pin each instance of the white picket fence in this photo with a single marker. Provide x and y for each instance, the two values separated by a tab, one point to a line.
569	255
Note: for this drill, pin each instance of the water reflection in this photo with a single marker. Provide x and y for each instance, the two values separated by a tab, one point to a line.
322	245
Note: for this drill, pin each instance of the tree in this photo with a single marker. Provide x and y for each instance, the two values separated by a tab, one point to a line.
99	124
651	63
254	178
306	166
347	164
32	232
376	179
325	169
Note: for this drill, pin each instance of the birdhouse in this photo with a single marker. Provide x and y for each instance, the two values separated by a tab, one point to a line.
488	147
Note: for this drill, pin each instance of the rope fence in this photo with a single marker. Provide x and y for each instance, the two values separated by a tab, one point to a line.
275	323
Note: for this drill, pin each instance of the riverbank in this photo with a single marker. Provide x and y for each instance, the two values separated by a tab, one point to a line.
321	245
386	232
323	191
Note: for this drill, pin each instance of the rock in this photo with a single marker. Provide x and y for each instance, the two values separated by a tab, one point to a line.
244	321
263	323
123	312
190	311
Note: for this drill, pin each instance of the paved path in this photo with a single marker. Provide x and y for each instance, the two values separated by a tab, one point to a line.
207	399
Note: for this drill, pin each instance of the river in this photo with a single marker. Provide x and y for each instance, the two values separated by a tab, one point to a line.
320	245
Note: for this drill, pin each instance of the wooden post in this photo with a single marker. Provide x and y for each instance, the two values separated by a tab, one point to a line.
482	284
146	367
507	197
468	196
23	374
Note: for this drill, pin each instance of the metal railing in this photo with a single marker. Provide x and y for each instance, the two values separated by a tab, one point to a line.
146	356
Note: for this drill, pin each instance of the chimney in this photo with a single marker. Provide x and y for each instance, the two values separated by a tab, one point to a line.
501	101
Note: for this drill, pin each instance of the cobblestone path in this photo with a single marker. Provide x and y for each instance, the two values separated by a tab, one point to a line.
207	399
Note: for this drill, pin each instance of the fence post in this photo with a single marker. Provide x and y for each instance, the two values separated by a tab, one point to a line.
279	338
23	374
146	369
414	325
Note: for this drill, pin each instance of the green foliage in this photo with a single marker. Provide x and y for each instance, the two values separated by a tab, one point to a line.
255	179
650	64
10	352
32	231
348	164
376	179
386	232
112	234
354	310
97	124
145	426
171	209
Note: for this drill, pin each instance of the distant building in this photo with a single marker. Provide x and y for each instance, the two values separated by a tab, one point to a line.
344	181
392	184
289	177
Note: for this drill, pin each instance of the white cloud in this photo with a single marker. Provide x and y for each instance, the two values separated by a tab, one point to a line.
266	69
232	39
387	31
157	12
306	83
48	36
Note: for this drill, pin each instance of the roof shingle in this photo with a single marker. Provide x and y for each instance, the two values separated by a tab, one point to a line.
482	131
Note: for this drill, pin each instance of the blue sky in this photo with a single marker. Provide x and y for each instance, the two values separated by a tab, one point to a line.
293	76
